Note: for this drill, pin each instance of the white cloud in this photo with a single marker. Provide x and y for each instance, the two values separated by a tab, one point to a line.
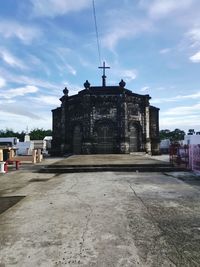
33	60
158	9
182	117
34	81
22	79
145	88
19	122
26	34
194	36
2	82
52	8
63	54
124	28
20	91
17	111
46	100
11	60
129	75
183	110
184	123
71	69
165	51
195	58
175	98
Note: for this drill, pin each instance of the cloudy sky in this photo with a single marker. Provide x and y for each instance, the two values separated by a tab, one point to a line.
45	45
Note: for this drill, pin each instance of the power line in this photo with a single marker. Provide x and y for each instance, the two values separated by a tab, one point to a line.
96	30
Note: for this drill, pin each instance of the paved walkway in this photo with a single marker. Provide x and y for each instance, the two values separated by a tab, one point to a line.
99	220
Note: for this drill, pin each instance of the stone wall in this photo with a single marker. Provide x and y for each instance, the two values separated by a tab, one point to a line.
104	120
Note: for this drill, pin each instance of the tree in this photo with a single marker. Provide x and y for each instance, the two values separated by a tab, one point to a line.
39	134
10	133
35	134
175	135
165	134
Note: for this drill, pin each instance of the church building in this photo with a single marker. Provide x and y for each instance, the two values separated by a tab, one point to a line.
105	120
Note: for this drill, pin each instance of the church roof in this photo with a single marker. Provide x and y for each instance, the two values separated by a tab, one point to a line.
108	90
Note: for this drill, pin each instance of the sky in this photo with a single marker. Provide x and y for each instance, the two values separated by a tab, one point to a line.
47	45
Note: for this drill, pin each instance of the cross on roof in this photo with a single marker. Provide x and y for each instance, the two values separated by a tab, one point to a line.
104	74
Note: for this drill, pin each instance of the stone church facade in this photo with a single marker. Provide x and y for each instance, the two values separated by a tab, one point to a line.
105	120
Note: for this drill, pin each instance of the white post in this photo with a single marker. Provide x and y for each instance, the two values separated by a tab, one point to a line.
34	156
39	156
1	154
2	167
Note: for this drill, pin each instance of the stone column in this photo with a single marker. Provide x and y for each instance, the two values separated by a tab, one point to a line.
124	144
147	124
64	100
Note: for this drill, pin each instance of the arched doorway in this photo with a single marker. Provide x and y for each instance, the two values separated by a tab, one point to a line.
134	138
105	138
77	140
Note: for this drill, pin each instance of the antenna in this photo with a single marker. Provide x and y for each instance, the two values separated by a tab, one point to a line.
96	30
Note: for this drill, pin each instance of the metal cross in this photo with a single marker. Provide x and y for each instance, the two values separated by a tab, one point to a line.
104	74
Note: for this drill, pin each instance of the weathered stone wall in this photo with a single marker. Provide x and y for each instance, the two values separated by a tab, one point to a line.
136	118
105	120
56	126
154	130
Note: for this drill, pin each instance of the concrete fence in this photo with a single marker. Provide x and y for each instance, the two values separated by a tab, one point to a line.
187	156
194	157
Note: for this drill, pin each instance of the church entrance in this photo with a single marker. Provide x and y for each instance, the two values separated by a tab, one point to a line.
134	138
105	140
77	140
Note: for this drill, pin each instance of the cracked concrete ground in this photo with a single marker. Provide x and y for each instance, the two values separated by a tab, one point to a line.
100	219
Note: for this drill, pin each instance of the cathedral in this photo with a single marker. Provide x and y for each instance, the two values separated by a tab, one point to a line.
105	120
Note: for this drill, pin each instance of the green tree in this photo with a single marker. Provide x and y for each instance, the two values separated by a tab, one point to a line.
165	134
10	133
39	134
35	134
175	135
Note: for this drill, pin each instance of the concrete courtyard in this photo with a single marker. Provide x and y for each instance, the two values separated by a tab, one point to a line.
99	219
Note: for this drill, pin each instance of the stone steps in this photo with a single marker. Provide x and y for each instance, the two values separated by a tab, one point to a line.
105	168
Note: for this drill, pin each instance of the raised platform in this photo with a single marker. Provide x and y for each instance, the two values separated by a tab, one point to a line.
109	162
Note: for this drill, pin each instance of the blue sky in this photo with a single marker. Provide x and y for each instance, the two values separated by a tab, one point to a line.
45	45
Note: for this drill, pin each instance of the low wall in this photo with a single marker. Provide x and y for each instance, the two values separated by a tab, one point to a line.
187	155
194	157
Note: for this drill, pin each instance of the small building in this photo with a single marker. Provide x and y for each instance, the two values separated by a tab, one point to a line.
105	120
9	141
193	139
164	146
48	140
25	148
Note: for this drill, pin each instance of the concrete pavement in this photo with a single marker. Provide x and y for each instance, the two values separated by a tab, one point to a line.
114	159
100	219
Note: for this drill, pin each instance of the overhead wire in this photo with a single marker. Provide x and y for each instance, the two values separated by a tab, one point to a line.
96	30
